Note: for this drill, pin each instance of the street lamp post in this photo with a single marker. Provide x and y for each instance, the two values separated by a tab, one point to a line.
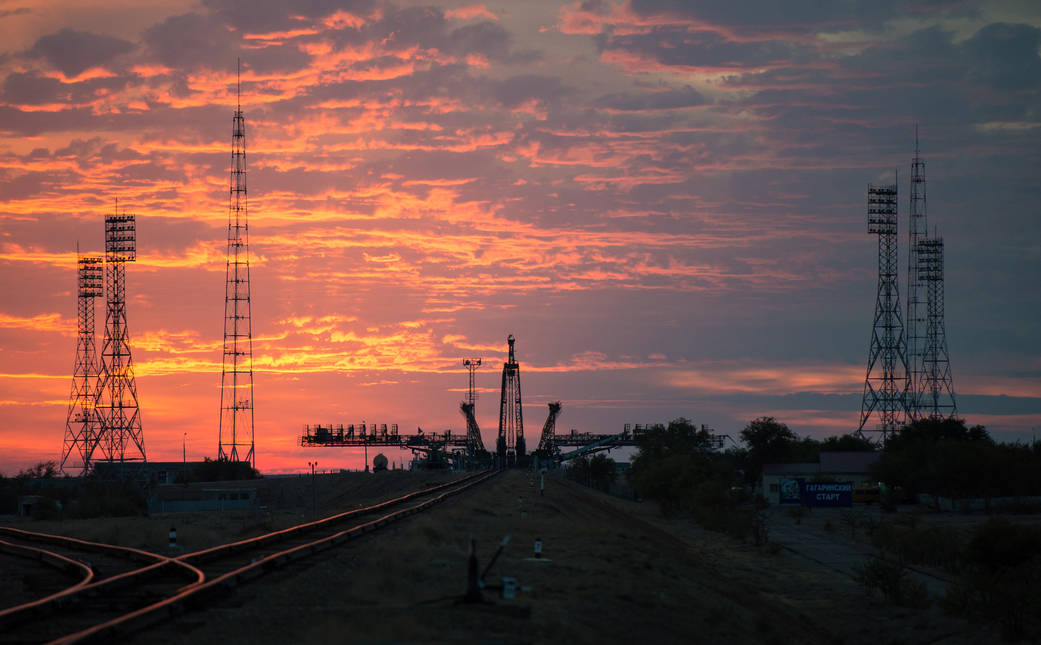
184	457
314	489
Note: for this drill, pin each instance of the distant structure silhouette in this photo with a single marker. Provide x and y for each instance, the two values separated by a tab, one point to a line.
474	442
235	432
81	423
120	438
547	448
510	445
936	398
885	385
930	386
916	297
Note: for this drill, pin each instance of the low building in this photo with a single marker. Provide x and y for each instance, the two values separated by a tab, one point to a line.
852	467
201	497
155	472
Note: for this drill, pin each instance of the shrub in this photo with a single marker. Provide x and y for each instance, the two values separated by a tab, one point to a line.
892	580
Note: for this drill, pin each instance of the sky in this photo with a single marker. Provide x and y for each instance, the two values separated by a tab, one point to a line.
662	200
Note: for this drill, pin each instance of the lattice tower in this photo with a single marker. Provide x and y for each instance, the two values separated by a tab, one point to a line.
81	423
510	445
917	304
937	397
886	382
471	365
119	438
235	433
474	442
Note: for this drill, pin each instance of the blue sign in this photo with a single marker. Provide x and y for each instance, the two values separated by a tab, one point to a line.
829	494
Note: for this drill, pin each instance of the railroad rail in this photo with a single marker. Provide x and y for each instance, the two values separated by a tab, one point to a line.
102	611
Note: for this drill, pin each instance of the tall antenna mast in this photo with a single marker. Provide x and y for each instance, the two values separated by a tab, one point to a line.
885	385
916	300
235	433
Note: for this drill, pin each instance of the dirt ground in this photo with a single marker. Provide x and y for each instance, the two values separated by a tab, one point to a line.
612	571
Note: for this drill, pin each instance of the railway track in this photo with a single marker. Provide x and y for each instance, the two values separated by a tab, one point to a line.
100	610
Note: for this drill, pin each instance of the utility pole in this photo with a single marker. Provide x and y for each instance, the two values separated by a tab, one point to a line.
314	489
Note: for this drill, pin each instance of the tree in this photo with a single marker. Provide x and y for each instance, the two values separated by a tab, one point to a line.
602	471
770	441
677	464
847	443
42	470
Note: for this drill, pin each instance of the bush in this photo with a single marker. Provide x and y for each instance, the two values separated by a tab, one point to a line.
1000	577
892	580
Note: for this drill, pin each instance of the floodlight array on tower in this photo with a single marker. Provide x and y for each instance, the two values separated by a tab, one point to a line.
103	423
908	375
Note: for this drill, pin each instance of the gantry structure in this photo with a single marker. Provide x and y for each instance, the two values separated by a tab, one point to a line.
81	422
235	429
882	407
119	438
510	444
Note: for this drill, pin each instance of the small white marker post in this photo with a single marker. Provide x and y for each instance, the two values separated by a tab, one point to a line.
173	538
538	548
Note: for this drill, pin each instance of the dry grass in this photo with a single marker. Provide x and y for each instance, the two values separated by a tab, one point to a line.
613	571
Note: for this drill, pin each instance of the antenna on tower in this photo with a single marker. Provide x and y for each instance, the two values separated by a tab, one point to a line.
235	433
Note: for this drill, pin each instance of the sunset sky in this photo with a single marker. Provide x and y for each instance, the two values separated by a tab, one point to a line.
663	200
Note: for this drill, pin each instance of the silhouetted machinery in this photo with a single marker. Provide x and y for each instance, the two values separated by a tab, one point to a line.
444	449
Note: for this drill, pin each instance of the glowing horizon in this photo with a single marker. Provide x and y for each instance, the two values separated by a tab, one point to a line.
663	203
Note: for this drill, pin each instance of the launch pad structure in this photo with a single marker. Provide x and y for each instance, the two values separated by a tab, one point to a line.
509	447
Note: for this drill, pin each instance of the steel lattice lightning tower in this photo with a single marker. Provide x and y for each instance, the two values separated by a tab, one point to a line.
471	365
119	436
81	423
235	438
474	442
885	385
937	384
510	446
916	303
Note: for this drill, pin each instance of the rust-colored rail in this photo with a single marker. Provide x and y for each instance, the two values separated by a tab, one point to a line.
202	587
89	585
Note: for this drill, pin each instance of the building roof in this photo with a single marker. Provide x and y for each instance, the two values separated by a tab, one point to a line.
791	469
848	462
831	463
